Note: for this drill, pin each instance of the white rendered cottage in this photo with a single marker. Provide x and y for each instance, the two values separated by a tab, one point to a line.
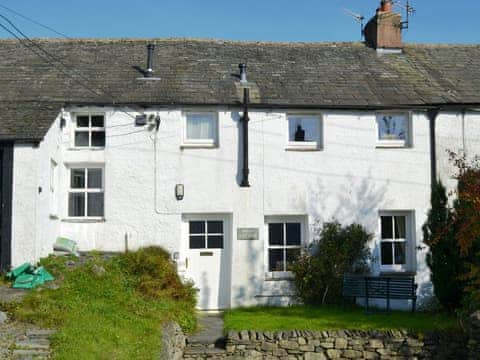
115	157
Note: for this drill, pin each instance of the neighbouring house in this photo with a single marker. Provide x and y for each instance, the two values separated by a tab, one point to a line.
98	148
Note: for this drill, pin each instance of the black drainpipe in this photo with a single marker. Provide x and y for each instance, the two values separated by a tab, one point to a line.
432	115
245	119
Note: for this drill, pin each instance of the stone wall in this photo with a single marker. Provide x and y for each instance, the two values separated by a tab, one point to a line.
310	345
173	341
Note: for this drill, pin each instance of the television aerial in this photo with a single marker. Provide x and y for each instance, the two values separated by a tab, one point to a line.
358	18
409	11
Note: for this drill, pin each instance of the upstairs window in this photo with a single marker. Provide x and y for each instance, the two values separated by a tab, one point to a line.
89	131
86	193
201	129
304	132
393	130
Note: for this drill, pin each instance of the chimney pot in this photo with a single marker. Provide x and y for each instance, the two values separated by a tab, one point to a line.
243	72
386	6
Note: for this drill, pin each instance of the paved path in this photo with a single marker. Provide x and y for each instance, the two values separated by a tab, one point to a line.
209	341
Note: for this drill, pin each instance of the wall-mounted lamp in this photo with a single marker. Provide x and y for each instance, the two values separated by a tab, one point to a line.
63	122
179	191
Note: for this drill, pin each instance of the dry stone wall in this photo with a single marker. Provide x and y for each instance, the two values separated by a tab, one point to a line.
322	345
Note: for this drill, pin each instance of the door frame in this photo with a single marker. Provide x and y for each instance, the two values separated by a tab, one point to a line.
6	204
227	247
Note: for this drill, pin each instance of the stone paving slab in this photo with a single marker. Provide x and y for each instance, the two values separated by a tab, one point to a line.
211	329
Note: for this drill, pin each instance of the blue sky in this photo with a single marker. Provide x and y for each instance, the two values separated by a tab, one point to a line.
440	21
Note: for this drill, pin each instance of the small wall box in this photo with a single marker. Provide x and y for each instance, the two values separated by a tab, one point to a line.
140	120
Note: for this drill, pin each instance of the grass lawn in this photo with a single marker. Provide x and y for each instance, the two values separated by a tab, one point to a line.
331	318
101	315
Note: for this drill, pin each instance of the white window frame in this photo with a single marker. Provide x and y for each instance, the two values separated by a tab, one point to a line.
54	188
283	275
409	241
85	191
305	145
88	130
394	143
200	143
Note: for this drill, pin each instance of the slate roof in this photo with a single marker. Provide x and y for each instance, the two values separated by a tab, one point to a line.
200	72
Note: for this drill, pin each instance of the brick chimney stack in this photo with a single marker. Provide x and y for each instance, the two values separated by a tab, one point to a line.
384	30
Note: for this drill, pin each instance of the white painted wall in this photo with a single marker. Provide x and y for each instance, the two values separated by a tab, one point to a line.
349	179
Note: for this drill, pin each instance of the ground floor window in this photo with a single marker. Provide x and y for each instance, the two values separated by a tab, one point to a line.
206	234
86	193
284	242
395	240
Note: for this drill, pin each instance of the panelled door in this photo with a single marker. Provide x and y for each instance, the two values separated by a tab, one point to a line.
6	177
208	261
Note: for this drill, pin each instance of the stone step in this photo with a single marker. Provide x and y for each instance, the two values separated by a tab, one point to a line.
40	333
43	344
22	354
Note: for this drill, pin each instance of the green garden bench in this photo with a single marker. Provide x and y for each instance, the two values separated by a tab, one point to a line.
380	287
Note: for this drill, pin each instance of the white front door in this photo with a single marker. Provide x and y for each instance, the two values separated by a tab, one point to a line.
207	262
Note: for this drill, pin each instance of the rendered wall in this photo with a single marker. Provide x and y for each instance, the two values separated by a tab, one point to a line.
349	180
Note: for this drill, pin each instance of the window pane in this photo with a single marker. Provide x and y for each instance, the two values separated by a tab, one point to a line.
292	256
387	227
392	127
81	138
197	227
197	242
76	204
387	253
275	260
303	128
77	180
400	227
294	234
215	241
97	121
95	178
82	121
215	227
400	253
98	138
275	234
95	204
200	126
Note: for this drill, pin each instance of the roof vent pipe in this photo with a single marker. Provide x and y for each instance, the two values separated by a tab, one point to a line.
150	50
243	72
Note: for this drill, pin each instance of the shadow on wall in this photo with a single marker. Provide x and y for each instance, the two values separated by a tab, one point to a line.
357	200
255	280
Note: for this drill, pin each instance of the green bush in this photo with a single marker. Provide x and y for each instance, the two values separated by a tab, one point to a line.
336	250
155	276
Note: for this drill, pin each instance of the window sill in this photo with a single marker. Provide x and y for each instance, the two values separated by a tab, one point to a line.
392	144
282	276
86	148
199	145
83	220
302	146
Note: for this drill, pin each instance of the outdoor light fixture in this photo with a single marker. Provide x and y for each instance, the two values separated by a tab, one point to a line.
179	191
